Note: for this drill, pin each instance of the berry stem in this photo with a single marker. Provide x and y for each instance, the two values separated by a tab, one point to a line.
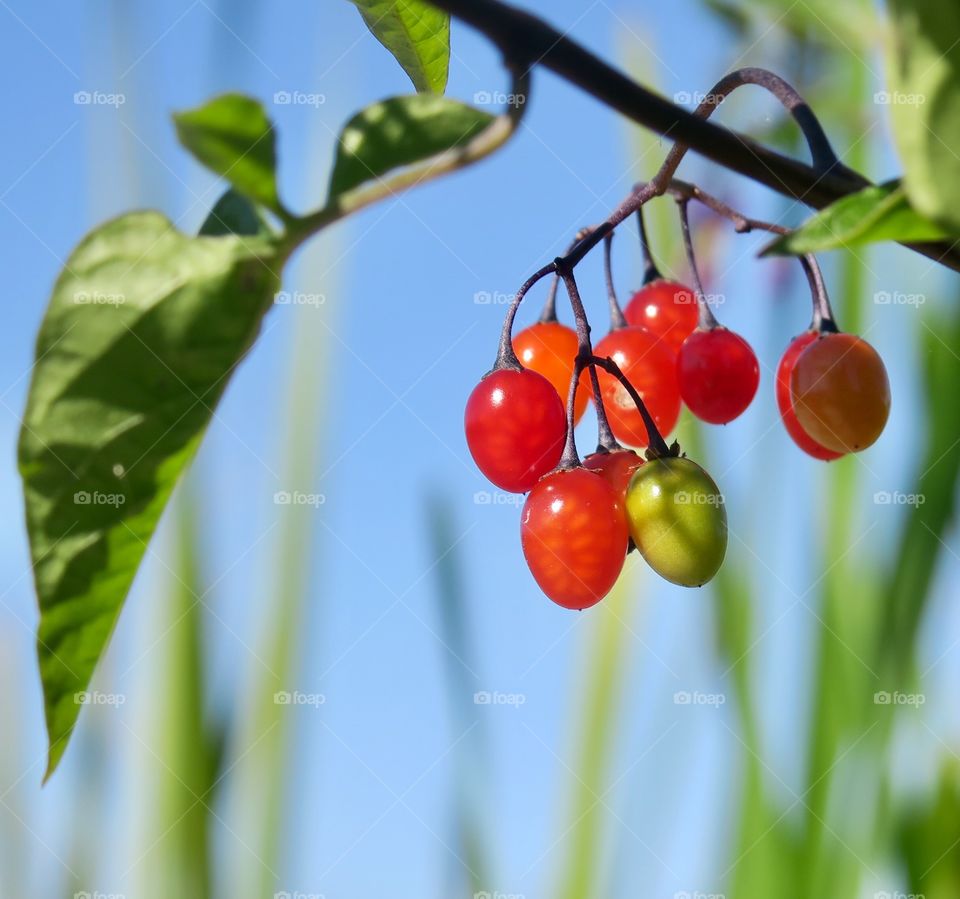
549	313
617	319
656	445
506	357
650	270
584	358
823	320
706	320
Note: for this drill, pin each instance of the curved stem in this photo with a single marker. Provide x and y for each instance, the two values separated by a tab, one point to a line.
549	313
657	446
494	136
823	319
617	319
506	357
584	357
650	270
706	321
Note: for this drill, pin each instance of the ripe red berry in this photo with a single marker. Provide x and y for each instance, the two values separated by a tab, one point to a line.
616	468
666	308
549	349
840	392
651	367
785	403
516	426
718	374
574	535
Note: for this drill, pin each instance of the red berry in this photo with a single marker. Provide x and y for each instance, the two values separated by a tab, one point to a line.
785	402
650	365
574	535
616	468
549	349
718	374
666	308
516	426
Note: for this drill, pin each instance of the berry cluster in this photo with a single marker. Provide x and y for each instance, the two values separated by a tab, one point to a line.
665	350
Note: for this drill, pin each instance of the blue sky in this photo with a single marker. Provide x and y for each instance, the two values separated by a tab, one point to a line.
394	349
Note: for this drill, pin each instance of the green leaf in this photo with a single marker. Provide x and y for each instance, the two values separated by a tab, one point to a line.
398	132
867	216
418	36
232	136
143	330
923	74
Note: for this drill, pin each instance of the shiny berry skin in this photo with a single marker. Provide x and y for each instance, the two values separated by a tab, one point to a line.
785	403
666	308
616	468
651	366
677	520
516	426
718	374
840	392
549	349
574	536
